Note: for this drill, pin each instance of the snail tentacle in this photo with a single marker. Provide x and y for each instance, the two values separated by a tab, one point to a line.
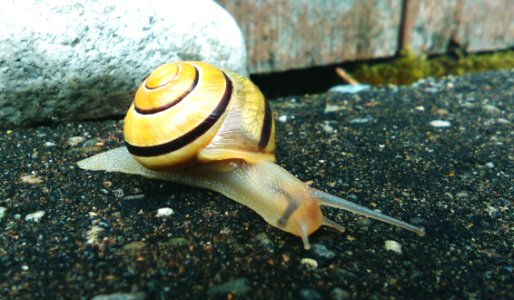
326	199
329	223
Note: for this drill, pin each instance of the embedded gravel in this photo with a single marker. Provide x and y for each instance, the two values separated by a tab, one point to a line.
438	154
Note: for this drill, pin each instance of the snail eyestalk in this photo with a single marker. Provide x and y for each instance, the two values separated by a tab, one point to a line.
326	199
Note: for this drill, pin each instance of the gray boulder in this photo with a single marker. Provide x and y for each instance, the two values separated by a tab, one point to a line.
68	60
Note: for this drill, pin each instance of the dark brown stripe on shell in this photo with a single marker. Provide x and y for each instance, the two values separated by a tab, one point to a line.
190	136
266	126
171	103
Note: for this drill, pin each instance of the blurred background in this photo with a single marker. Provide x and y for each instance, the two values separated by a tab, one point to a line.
294	45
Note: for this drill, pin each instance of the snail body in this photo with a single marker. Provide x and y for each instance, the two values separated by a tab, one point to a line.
195	124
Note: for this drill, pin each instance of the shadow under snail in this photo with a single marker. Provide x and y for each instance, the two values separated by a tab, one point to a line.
198	125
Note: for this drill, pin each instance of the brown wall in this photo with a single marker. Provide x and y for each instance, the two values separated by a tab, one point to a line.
290	34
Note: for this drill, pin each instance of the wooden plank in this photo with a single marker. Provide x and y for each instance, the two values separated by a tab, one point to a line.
288	34
428	25
474	25
485	25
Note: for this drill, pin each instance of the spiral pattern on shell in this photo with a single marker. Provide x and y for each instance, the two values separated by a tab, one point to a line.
193	112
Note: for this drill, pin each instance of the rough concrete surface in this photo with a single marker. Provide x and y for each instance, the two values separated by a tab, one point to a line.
437	154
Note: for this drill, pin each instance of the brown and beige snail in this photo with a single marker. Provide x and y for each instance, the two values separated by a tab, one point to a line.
195	124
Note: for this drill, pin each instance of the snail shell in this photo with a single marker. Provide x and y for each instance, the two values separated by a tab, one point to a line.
193	112
195	124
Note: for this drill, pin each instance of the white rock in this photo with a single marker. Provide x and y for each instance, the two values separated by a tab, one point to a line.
76	140
309	263
393	246
349	88
327	127
165	212
2	212
93	234
72	59
440	124
360	120
35	216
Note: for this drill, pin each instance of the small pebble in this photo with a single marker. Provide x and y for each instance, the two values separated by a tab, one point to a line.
310	294
309	263
502	121
420	108
360	120
349	88
393	246
75	140
50	144
2	212
35	216
327	128
491	109
339	294
333	108
93	234
467	104
491	211
134	197
119	193
462	195
107	184
442	111
440	124
165	212
282	118
31	179
321	251
264	241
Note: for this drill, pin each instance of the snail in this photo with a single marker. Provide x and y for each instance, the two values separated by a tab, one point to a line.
196	124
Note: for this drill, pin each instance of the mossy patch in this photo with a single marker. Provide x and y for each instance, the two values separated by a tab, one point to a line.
410	67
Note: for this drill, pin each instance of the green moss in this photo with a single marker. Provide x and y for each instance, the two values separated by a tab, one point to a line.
409	67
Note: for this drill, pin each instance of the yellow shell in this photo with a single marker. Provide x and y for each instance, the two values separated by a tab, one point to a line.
192	112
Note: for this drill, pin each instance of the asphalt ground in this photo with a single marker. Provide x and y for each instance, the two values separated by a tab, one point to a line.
66	233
